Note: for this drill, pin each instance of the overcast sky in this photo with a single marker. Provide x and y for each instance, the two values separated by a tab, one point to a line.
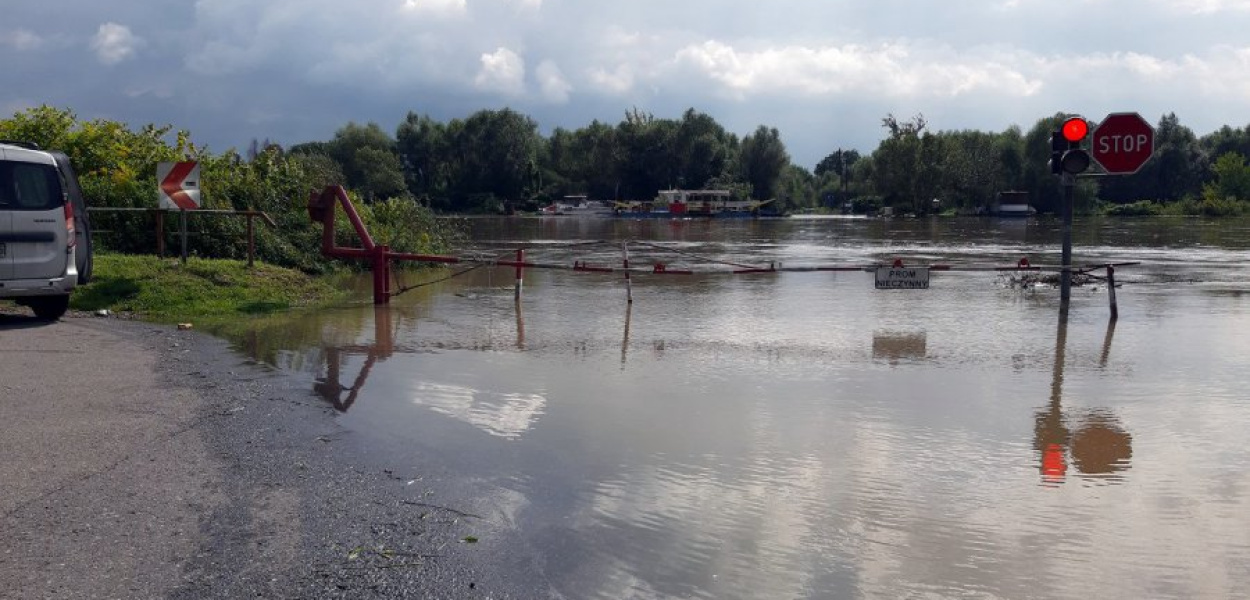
824	72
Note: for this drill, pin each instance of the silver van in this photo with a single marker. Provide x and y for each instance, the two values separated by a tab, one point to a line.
45	237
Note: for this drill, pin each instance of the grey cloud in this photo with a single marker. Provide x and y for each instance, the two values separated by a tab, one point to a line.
20	39
823	73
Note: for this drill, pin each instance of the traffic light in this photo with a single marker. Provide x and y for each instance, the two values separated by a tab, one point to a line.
1066	154
1058	146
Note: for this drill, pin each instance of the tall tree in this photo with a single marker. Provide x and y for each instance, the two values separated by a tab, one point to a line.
422	145
702	147
839	162
898	159
496	156
1179	164
367	156
648	161
598	155
762	158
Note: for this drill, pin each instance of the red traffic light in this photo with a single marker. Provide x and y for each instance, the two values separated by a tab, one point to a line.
1075	129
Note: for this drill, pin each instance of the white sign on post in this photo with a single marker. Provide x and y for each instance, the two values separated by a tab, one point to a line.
179	185
902	278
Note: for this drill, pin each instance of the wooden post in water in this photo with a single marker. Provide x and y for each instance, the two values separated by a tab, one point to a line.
629	288
520	273
1115	308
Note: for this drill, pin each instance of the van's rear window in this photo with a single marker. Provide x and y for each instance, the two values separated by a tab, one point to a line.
29	186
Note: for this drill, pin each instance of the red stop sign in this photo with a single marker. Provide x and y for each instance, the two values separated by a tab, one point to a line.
1122	143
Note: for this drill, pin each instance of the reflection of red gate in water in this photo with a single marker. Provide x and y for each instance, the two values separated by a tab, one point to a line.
331	387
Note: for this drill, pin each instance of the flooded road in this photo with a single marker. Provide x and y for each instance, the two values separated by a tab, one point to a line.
804	435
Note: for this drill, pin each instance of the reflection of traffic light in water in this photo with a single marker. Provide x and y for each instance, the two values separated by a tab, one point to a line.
1100	445
1094	440
1051	440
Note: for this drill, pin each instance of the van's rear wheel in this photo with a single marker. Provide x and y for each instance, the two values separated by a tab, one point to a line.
49	308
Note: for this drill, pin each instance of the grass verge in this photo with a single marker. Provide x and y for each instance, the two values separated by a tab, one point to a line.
167	290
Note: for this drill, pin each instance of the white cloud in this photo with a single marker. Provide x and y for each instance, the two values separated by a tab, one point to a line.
502	71
616	81
115	43
555	88
893	69
444	8
1209	6
20	39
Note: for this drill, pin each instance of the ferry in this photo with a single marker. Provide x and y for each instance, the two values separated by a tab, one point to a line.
679	204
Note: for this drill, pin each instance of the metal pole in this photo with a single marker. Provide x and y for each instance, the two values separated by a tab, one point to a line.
182	226
1065	278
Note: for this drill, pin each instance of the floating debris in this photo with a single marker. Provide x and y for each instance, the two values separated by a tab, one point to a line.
1028	281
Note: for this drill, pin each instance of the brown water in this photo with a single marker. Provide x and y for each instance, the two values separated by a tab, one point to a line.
803	435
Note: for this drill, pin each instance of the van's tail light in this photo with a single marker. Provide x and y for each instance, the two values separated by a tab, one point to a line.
69	224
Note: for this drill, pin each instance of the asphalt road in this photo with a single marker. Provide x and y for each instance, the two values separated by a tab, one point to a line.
140	461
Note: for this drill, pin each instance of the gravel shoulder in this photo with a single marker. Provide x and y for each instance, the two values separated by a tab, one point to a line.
147	462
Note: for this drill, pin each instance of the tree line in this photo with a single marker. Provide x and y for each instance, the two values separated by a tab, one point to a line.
497	159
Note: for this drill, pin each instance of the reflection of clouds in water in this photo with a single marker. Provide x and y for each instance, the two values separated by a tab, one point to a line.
728	533
499	414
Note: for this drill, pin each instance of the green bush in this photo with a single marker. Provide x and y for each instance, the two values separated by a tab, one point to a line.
1141	208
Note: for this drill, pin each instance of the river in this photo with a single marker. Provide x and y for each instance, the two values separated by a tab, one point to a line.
804	435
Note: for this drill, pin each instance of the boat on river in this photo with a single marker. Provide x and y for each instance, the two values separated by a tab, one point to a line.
680	204
1011	204
578	206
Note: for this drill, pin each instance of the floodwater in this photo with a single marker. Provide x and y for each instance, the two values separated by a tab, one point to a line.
804	435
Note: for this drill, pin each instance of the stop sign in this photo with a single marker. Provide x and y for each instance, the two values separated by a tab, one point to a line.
1122	143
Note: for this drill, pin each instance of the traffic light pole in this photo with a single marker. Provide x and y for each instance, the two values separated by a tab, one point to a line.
1068	182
